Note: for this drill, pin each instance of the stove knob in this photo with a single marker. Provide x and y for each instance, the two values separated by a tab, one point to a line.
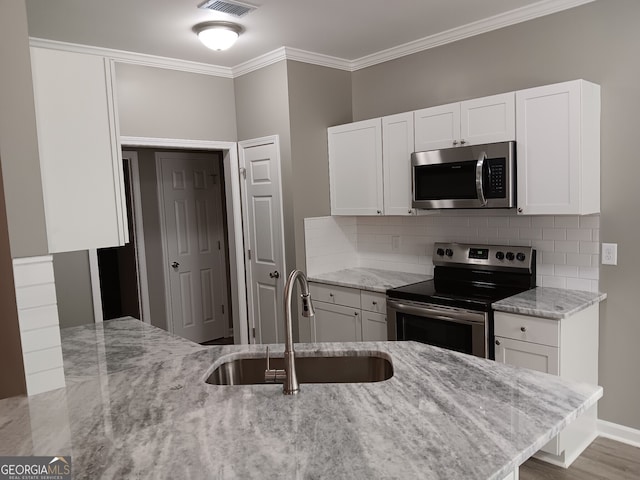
520	256
500	255
440	251
449	252
510	256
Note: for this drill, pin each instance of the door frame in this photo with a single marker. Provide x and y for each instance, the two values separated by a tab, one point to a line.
256	142
235	237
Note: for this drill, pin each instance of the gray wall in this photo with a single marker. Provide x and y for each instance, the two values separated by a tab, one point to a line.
18	138
598	42
262	108
319	97
156	102
73	288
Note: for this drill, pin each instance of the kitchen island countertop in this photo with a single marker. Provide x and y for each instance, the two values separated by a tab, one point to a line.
442	415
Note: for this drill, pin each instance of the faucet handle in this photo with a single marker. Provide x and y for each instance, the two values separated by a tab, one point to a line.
273	375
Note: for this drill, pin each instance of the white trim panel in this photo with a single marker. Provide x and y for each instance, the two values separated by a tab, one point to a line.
39	325
620	433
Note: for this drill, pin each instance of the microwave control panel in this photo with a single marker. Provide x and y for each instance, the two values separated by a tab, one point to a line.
495	178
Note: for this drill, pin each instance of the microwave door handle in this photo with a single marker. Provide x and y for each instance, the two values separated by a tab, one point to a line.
479	186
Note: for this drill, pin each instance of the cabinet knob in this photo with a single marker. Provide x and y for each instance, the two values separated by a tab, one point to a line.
355	313
330	294
379	212
455	142
374	302
410	212
497	342
519	210
275	274
175	265
462	142
523	329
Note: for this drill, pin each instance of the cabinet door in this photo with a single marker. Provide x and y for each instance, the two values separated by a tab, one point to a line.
335	323
533	356
397	146
374	327
355	168
80	158
558	149
488	119
437	127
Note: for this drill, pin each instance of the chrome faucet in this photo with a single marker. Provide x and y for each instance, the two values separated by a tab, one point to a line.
288	375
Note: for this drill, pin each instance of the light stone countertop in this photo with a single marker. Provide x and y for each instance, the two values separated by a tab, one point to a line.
554	303
442	415
371	279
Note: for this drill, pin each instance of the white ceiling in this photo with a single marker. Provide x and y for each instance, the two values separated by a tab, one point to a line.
346	29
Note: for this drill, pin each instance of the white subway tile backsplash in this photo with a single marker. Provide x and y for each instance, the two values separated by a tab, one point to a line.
590	247
542	221
45	381
554	282
579	259
579	284
590	221
41	360
579	234
567	246
569	221
554	233
588	272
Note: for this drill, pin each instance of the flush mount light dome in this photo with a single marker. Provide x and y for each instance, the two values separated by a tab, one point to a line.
218	35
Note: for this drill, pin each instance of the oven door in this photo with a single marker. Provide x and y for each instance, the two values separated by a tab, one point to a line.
465	331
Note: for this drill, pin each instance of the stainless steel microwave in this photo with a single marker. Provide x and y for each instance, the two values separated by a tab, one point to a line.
477	176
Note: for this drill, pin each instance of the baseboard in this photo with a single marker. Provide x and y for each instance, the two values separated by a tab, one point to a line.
620	433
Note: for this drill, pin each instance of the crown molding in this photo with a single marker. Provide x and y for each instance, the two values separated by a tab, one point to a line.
136	58
536	10
512	17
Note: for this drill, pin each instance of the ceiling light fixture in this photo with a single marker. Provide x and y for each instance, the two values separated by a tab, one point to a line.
218	35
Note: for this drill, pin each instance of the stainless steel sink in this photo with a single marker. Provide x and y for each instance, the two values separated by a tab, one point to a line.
343	369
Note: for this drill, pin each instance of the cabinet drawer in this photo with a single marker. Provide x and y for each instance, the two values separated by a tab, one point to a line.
527	329
349	297
373	302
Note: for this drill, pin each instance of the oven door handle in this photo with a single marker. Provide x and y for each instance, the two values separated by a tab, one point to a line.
457	316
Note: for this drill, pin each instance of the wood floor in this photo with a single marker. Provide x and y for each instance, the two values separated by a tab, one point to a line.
604	460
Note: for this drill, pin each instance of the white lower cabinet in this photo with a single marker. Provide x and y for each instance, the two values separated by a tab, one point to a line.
345	315
567	348
336	323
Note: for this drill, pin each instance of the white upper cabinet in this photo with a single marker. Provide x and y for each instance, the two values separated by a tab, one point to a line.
355	168
80	157
558	149
472	122
397	146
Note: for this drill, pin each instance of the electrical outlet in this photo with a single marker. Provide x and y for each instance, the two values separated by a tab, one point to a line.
395	243
609	253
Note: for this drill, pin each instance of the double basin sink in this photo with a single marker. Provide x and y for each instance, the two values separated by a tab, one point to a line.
350	368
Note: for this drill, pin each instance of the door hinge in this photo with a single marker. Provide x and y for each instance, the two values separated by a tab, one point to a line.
219	247
222	309
243	172
249	254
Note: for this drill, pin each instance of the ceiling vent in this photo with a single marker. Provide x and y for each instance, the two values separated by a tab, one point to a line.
237	9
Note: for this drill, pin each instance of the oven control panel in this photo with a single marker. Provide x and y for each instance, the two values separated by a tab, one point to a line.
495	257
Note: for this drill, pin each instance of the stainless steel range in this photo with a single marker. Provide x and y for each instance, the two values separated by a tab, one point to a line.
454	309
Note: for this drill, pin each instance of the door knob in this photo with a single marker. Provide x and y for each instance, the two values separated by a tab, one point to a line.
175	264
275	274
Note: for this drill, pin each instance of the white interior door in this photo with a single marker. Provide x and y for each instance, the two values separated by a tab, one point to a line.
264	238
191	197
